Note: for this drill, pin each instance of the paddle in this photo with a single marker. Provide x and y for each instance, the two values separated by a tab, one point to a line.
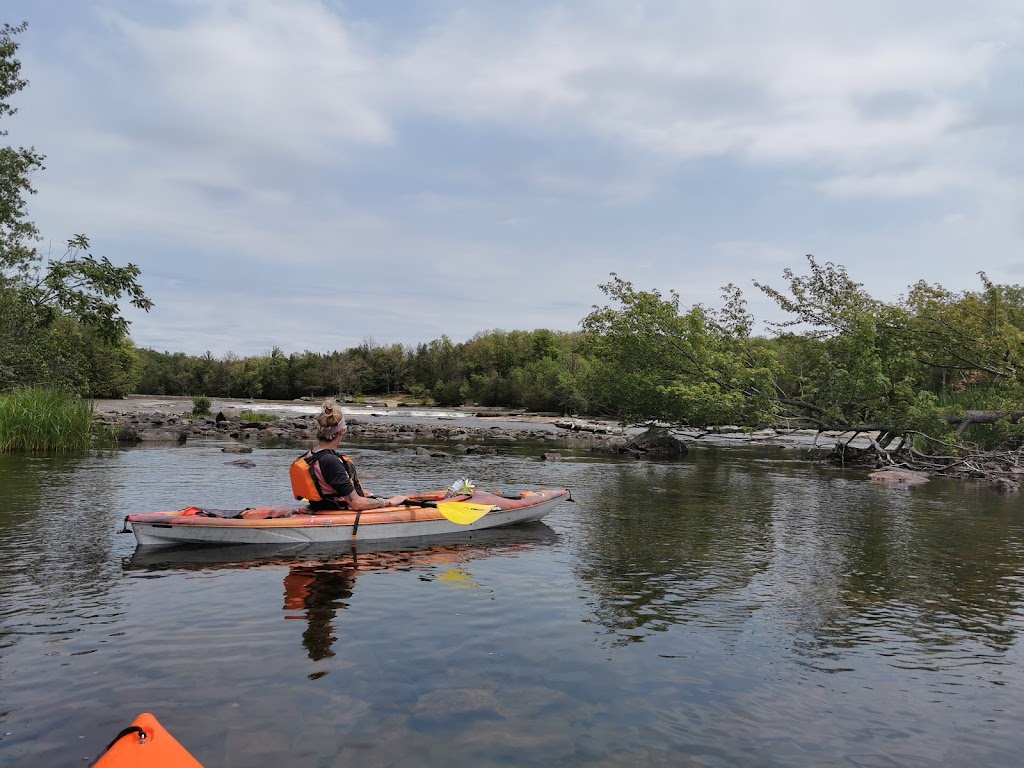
459	512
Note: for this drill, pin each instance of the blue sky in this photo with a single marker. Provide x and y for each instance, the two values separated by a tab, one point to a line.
314	173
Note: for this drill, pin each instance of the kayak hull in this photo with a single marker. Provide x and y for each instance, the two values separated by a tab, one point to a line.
277	525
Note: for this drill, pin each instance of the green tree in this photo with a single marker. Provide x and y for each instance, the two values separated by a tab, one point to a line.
35	291
658	363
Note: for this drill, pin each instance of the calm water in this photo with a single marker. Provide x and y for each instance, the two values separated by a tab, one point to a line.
735	609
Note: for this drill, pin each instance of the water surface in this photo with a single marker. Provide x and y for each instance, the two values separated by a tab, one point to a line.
736	608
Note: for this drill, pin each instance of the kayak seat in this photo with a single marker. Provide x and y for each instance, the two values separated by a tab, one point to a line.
263	513
512	496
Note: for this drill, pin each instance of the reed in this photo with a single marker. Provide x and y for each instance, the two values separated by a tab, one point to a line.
255	418
40	420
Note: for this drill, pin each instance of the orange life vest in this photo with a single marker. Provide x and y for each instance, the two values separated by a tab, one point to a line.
304	481
301	474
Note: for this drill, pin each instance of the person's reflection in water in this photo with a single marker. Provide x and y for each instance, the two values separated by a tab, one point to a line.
317	592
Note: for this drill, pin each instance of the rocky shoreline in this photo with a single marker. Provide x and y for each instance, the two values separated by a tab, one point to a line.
138	427
133	425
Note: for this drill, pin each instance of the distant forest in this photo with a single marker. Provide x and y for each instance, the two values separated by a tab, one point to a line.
538	370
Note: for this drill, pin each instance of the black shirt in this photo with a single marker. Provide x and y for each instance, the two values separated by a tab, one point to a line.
340	475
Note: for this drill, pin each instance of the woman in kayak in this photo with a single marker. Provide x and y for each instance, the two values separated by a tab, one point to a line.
335	475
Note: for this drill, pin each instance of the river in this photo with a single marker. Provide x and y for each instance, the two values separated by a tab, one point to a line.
740	607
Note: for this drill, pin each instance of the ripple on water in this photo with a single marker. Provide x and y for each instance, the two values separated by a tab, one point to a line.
730	609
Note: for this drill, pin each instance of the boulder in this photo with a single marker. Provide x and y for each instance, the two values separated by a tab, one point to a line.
551	456
128	435
656	442
237	449
898	478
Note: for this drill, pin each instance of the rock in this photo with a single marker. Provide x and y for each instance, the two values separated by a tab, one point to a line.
551	456
128	435
237	449
482	450
242	463
656	442
900	478
1005	485
446	703
164	436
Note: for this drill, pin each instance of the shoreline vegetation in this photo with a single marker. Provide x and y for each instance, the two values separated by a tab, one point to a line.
39	420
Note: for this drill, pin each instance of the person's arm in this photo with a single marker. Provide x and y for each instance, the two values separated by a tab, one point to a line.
339	474
363	503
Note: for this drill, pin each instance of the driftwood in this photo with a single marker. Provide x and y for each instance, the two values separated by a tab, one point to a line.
1004	469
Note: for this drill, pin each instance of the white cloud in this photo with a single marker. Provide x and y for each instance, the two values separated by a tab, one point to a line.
273	77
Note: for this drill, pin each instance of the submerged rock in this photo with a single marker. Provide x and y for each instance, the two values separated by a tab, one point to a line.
901	478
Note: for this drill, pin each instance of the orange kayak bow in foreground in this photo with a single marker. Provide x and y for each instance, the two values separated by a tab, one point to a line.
145	744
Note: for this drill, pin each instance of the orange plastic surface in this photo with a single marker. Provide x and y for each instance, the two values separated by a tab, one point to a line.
158	750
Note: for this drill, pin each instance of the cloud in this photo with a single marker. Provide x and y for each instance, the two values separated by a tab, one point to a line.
774	86
513	155
260	77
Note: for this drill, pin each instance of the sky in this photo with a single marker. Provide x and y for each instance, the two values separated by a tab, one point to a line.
313	174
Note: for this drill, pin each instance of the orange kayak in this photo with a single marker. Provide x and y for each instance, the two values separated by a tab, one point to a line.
430	514
145	744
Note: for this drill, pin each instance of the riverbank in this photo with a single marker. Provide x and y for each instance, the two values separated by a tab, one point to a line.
162	419
141	419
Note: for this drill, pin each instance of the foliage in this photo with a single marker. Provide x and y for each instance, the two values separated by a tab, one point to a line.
255	418
201	406
935	363
661	364
917	365
60	320
38	420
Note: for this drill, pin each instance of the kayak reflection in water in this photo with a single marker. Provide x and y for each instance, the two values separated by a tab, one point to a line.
318	591
320	583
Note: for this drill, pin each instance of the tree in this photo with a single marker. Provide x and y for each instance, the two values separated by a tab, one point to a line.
660	364
36	291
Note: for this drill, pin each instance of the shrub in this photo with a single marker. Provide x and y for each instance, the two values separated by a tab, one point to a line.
201	406
36	419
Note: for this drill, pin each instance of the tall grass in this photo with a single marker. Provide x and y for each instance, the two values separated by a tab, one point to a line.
40	420
256	418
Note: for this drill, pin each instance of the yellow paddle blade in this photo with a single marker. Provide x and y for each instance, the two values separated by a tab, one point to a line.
461	512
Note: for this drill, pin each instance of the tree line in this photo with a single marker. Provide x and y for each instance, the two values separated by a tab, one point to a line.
538	370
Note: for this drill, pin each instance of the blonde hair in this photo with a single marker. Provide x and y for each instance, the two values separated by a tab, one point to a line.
327	421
